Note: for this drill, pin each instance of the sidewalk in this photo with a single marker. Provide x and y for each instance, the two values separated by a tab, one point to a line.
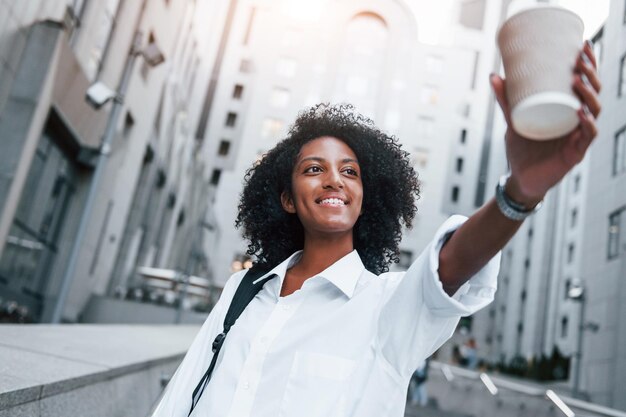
75	370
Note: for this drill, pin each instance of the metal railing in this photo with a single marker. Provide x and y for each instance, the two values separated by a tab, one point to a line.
494	385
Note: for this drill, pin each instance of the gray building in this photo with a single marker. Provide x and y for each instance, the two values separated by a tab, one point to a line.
574	242
52	52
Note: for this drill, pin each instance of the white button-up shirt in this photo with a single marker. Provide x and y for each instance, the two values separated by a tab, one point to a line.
345	344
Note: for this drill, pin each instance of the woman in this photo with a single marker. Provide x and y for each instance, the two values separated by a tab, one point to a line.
331	333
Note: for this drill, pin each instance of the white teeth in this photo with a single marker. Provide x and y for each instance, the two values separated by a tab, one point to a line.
333	202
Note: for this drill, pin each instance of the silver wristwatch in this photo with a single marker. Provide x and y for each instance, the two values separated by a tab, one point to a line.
512	209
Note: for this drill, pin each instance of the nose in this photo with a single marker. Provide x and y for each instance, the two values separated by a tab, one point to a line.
333	180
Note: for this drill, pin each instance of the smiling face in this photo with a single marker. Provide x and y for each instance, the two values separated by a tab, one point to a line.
327	191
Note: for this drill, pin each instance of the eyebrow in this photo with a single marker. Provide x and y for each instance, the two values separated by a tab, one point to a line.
320	159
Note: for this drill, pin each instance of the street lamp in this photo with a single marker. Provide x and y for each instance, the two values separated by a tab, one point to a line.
98	94
577	293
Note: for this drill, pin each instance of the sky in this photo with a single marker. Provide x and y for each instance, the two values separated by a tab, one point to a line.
440	12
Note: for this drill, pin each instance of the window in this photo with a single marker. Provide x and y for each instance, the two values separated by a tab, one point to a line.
564	322
101	38
475	69
245	66
224	148
357	85
434	64
238	91
570	253
614	233
622	78
619	152
459	165
429	95
246	38
286	67
279	97
145	68
472	14
568	286
420	158
231	119
463	135
129	122
406	257
272	128
455	194
573	217
215	176
425	127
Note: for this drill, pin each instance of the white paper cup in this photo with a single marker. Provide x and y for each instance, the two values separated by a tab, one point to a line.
539	48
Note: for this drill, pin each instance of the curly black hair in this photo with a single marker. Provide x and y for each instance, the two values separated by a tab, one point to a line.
390	189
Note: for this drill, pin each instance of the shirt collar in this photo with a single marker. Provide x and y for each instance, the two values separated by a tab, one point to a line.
343	274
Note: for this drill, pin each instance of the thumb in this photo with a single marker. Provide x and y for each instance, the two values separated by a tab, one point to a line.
498	85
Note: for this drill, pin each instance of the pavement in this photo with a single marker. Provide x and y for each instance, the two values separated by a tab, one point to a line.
44	362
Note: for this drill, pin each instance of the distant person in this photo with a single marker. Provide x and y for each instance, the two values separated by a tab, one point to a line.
331	332
469	353
418	394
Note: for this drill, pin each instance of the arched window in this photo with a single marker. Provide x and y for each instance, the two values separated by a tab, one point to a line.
361	62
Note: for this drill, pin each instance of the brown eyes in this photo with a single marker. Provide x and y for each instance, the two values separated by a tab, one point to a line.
317	169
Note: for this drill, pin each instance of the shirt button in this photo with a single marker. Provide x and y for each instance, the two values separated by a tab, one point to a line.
264	339
245	385
286	307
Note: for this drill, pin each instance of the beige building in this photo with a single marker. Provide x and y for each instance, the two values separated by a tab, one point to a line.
280	60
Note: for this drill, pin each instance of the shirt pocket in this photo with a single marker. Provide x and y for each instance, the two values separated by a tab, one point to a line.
317	385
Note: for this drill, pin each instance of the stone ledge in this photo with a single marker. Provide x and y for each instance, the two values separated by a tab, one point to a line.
41	361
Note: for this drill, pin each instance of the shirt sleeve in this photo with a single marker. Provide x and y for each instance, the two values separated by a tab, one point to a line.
417	316
176	399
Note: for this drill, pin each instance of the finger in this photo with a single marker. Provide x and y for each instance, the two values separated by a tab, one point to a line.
590	74
588	53
587	124
588	95
498	86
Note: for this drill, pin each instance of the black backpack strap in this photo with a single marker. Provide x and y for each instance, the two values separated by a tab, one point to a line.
245	292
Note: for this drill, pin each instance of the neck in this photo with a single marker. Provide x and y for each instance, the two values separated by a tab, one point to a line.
320	253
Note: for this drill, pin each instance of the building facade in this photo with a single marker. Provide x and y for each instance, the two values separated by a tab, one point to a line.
53	51
280	60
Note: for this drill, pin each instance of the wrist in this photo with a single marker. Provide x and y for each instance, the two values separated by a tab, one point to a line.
515	192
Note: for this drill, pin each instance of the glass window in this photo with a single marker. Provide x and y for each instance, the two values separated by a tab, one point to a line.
622	78
425	127
245	66
215	176
614	233
570	253
238	91
459	165
420	158
564	321
32	243
231	119
455	193
101	38
429	95
279	97
619	152
272	128
434	64
246	38
224	148
286	67
574	217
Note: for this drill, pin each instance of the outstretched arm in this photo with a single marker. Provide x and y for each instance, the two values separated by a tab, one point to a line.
536	166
